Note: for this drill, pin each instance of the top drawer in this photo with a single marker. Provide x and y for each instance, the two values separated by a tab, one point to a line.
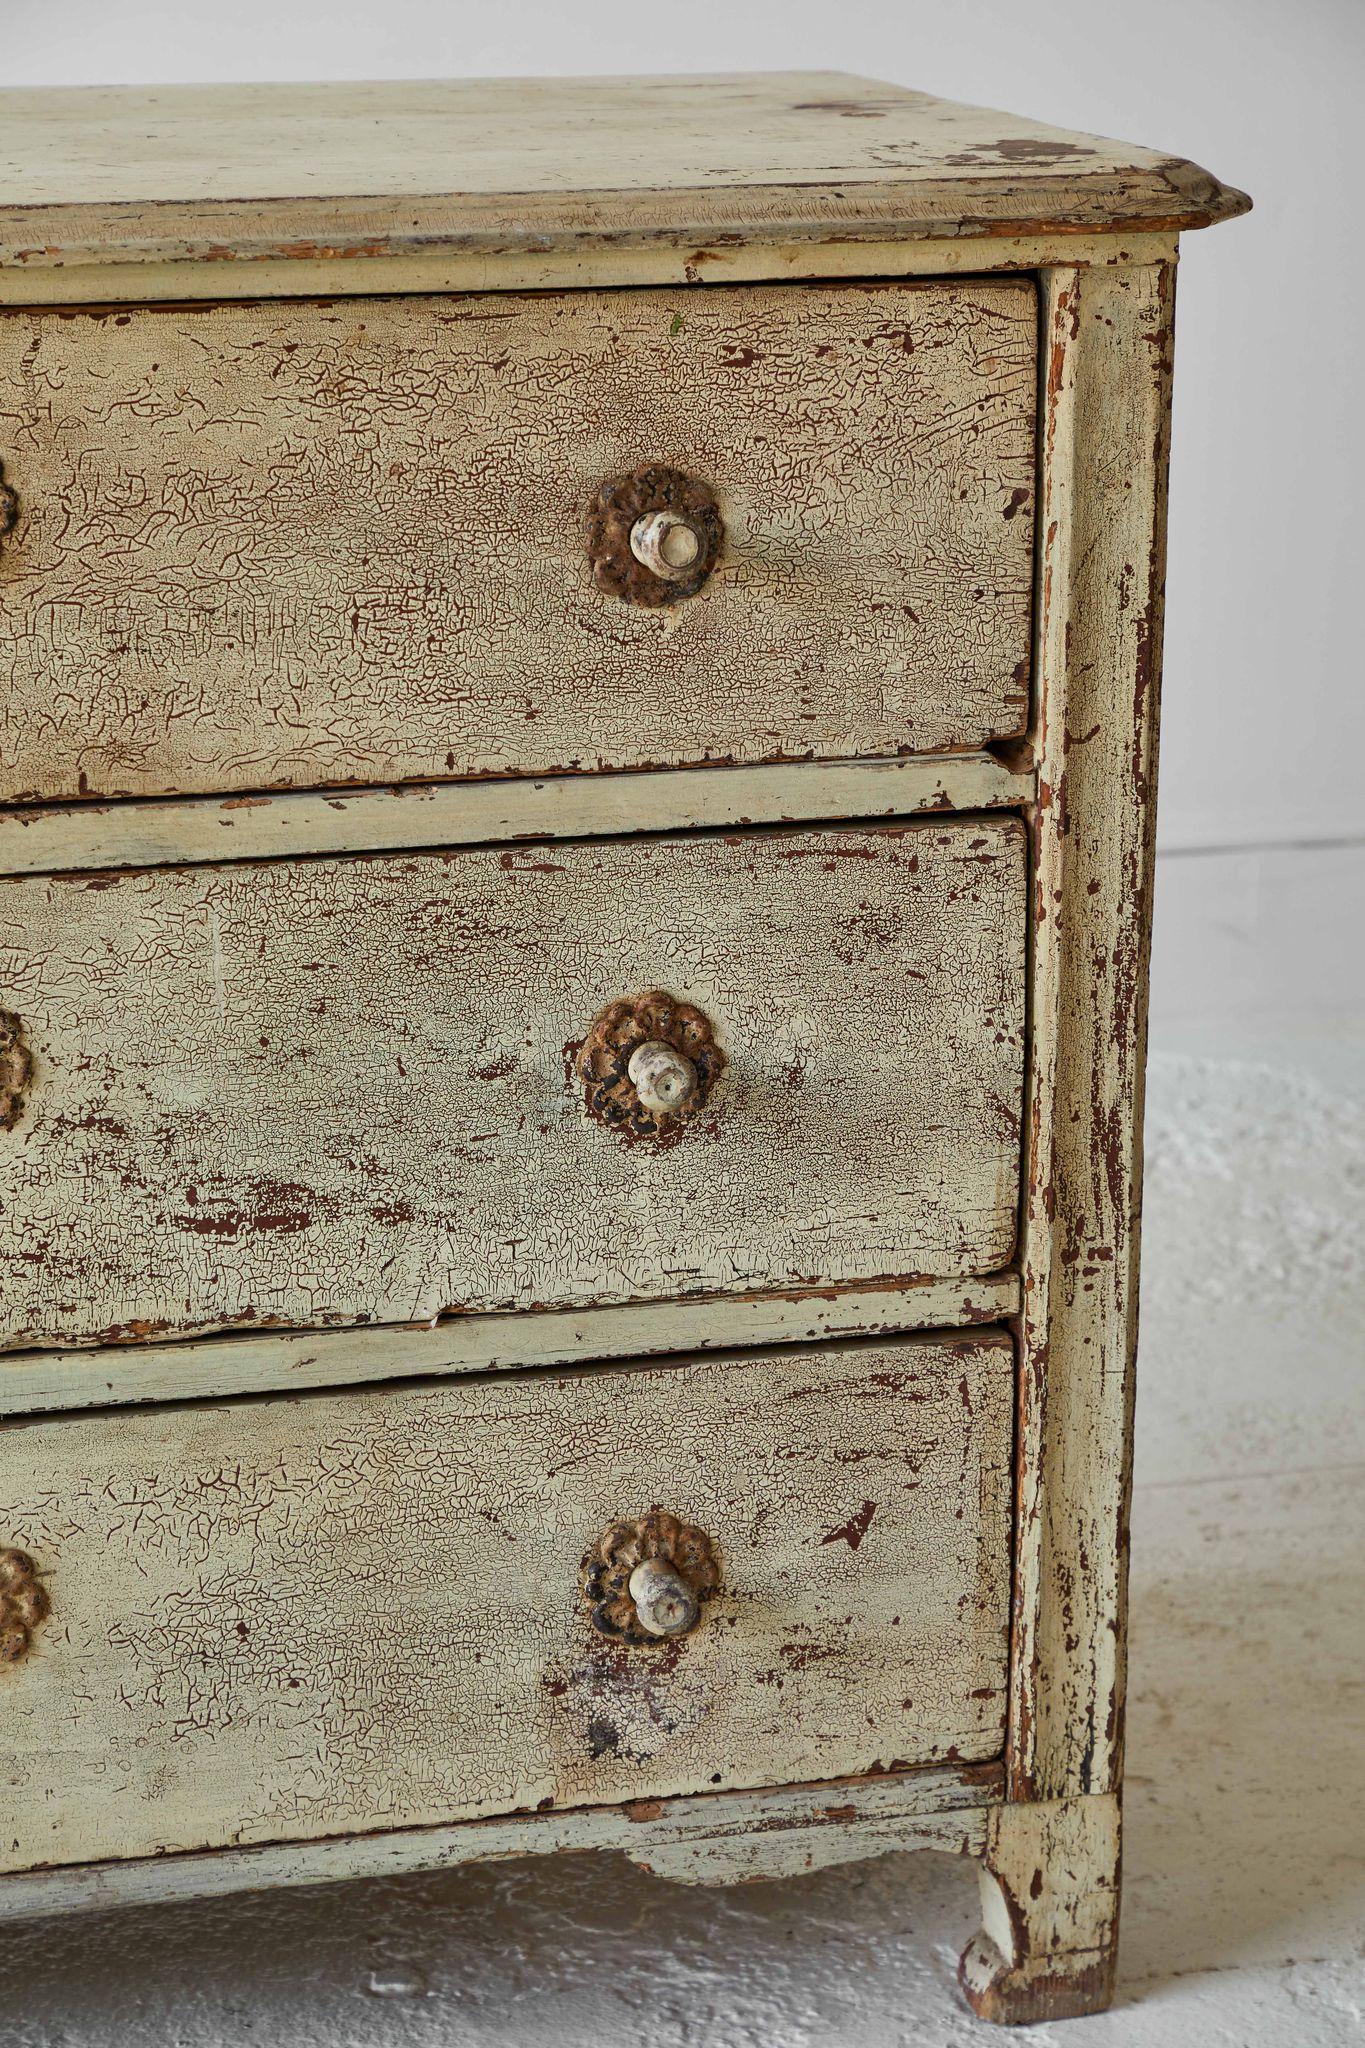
310	544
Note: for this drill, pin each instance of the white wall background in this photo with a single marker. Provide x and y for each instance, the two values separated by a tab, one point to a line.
1265	677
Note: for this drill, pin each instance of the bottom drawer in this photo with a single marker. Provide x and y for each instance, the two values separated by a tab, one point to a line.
287	1618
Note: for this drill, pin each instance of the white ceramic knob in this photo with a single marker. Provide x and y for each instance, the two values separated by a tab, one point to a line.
666	544
663	1077
664	1602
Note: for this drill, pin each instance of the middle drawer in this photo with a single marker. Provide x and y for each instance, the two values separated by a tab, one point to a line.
337	1091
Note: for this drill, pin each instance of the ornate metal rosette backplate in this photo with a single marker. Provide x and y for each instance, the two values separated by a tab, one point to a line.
23	1604
16	1069
616	511
604	1061
608	1566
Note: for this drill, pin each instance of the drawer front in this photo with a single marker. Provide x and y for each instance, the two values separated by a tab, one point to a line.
339	1091
297	1618
307	544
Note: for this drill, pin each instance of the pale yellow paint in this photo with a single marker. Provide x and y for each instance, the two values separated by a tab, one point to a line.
40	1382
232	174
50	838
1107	365
531	268
341	1091
216	1516
263	547
716	1837
308	1617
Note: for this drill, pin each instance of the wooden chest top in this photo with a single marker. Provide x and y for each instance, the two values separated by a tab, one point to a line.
301	172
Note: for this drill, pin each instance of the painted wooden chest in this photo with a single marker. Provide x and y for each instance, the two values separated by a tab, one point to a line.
580	672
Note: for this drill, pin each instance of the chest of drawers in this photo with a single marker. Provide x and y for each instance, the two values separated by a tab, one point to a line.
576	798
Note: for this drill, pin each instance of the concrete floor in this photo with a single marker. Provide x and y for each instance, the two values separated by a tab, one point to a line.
1245	1882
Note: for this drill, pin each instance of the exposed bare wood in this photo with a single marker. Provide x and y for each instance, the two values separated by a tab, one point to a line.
172	832
366	1610
342	1091
1050	1909
287	546
38	1382
233	175
1107	367
772	1832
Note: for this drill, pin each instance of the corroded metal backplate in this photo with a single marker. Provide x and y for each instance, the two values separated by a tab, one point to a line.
16	1069
612	517
23	1604
604	1061
625	1545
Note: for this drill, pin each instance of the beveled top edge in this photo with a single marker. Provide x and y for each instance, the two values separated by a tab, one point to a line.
232	173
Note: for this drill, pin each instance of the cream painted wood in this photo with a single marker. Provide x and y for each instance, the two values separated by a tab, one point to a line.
232	175
717	1837
318	544
123	197
522	268
41	1382
340	1091
1107	422
1050	1905
53	838
358	1611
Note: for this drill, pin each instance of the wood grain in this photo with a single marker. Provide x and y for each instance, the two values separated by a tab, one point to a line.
290	546
338	1091
235	175
363	1610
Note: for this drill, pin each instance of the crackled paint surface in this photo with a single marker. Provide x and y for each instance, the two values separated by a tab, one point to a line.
263	546
339	1090
1244	1891
1106	435
303	1617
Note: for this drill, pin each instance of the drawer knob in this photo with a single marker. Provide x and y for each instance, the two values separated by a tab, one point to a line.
666	544
16	1069
23	1604
647	1579
664	1078
653	536
9	506
648	1063
665	1604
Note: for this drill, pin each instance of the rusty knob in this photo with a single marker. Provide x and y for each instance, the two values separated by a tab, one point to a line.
648	1062
647	1580
653	536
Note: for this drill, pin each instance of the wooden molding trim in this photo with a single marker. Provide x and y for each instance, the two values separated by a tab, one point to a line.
169	831
714	1838
296	1361
523	269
